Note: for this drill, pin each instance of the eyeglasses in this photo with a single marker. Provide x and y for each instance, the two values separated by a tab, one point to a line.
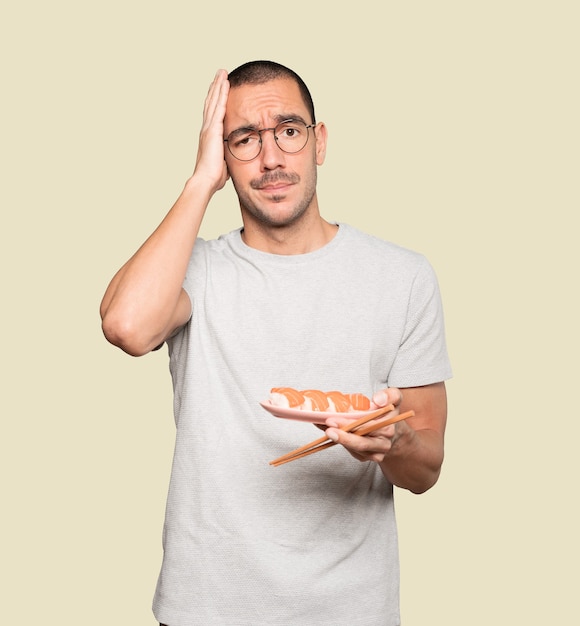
245	144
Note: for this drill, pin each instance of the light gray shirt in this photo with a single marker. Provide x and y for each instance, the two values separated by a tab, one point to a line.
312	542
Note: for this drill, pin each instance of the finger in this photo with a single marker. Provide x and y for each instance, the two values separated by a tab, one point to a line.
216	96
390	395
337	422
373	442
369	449
387	432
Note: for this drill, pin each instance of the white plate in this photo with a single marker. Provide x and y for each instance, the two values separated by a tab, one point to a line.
315	417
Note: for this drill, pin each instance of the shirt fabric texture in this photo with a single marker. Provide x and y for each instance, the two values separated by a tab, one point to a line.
313	542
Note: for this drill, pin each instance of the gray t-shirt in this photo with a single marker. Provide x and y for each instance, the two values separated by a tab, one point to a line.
312	542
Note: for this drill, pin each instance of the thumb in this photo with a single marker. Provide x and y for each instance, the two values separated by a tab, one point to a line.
381	398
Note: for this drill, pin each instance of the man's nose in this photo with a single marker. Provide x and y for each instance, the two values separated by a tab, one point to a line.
270	154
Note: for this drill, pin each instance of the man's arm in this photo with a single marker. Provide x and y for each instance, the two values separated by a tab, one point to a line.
145	302
410	453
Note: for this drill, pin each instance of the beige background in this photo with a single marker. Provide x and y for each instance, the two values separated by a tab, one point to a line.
453	130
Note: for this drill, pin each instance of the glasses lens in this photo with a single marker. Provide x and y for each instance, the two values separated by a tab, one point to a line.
291	135
244	144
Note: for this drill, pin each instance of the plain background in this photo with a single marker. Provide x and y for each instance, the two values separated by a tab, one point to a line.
453	130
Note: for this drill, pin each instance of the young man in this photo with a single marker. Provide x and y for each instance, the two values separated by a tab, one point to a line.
289	299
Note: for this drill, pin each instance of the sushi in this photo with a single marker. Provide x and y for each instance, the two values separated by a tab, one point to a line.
287	397
316	400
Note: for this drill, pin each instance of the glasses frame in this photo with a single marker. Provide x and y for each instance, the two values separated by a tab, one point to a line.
273	129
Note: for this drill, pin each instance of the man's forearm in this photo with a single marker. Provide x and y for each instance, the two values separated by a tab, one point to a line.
415	460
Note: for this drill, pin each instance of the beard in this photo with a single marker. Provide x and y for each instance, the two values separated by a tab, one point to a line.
265	212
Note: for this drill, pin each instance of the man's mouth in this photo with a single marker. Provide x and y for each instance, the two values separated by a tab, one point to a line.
275	188
275	182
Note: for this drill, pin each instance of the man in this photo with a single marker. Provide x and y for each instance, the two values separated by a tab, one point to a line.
289	299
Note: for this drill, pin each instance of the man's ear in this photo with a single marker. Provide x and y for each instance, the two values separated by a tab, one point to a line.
321	135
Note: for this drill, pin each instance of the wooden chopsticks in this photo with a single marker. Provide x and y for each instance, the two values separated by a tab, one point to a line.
355	427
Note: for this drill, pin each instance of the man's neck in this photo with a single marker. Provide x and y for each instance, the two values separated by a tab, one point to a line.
300	238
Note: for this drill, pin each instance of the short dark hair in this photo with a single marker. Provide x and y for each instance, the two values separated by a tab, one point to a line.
258	72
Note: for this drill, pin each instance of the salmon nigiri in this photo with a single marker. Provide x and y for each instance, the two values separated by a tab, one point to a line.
359	402
286	397
316	399
339	402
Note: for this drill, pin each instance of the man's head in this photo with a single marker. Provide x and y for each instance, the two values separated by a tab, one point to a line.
273	145
258	72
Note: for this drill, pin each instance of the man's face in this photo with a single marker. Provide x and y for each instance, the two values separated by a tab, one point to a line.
276	188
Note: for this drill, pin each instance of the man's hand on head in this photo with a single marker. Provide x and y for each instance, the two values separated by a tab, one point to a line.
211	165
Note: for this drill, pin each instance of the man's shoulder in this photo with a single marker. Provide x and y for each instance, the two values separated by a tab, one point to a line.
383	248
215	244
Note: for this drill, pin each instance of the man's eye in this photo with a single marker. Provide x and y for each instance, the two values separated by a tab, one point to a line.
290	132
244	139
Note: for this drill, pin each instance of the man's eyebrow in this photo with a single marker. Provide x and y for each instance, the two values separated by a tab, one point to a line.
283	117
245	127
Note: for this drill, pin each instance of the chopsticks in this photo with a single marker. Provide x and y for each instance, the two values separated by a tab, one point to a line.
357	427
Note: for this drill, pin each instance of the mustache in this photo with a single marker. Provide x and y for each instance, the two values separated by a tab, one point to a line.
274	177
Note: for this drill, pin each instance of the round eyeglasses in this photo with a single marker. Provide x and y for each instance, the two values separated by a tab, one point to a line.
245	144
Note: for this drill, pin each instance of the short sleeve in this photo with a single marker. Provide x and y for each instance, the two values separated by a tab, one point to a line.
422	358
